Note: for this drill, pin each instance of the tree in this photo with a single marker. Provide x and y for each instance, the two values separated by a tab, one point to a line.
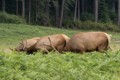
37	10
78	9
29	12
47	12
62	11
119	12
103	11
23	8
96	10
3	5
75	12
56	6
16	7
83	6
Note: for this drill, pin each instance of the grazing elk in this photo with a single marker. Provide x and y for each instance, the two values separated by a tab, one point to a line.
88	41
45	44
53	42
28	45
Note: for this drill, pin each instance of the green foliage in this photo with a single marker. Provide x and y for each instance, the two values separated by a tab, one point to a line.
43	20
89	25
54	66
9	18
103	11
87	16
68	23
47	12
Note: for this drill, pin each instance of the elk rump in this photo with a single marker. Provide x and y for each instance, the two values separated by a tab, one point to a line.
88	41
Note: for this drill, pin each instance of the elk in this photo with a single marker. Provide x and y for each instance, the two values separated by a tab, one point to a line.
88	41
53	42
27	45
47	43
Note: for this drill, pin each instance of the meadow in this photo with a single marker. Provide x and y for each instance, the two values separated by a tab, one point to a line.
54	66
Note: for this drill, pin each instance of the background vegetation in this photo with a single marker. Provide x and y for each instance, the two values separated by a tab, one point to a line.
65	13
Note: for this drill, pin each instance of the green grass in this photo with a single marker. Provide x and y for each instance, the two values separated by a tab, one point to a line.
11	34
69	66
54	66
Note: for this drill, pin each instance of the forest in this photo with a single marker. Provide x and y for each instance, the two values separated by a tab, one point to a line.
65	13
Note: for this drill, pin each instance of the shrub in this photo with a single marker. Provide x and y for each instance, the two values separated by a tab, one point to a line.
87	16
9	18
89	25
68	23
43	20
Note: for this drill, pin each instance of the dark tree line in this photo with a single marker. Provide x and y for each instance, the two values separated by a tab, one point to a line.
57	12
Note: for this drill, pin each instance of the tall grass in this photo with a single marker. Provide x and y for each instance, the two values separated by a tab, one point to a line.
68	66
54	66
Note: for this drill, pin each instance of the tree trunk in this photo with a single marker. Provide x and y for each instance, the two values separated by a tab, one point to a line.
119	12
16	7
75	12
78	9
29	13
36	10
3	5
57	13
96	10
113	6
47	13
62	11
83	6
23	8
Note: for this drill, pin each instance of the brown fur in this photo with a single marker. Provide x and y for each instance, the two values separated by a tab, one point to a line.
27	45
45	44
52	42
88	41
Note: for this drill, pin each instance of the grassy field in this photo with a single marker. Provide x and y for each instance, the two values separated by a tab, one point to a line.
54	66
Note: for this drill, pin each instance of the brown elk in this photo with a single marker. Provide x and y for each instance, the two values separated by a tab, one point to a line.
53	42
88	41
27	45
45	44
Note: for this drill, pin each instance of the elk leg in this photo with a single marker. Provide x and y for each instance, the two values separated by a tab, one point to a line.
44	50
60	48
102	48
51	44
81	48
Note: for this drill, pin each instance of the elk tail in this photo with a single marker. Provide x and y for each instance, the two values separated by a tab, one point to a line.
109	37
